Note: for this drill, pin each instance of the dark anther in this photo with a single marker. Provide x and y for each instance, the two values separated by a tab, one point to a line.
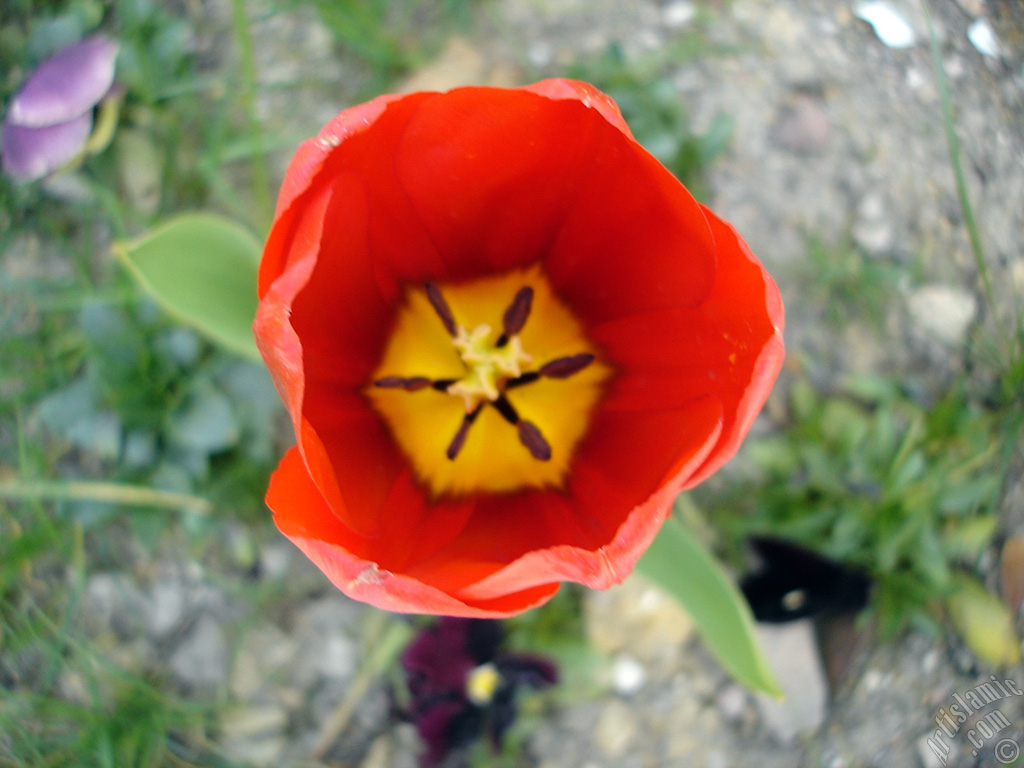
441	307
441	385
518	381
507	411
460	436
564	367
399	382
534	441
516	314
529	435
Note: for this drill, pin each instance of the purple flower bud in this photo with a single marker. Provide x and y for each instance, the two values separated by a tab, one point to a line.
49	119
31	153
66	85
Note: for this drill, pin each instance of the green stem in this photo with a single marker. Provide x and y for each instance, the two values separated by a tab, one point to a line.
388	636
953	144
115	493
257	165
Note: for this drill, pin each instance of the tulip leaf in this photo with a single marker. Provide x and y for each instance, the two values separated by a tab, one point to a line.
680	565
202	269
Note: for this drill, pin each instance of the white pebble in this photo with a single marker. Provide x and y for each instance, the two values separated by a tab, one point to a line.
628	675
889	24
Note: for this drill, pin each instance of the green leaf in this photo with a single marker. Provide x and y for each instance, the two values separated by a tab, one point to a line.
680	564
984	622
202	269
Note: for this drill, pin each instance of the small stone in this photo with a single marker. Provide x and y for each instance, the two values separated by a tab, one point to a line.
615	729
804	128
873	231
325	650
265	651
275	560
943	312
69	188
983	38
201	658
540	53
638	617
628	675
166	608
792	650
73	688
972	8
254	734
872	680
337	657
678	14
732	702
113	603
890	25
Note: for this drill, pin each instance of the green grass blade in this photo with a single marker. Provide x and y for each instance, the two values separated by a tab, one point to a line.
114	493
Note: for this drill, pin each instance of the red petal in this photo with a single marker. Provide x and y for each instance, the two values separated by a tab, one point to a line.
729	348
311	154
359	141
328	297
557	88
741	287
634	241
302	515
492	172
606	486
631	465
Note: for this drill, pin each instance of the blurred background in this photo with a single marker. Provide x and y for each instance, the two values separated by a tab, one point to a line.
872	155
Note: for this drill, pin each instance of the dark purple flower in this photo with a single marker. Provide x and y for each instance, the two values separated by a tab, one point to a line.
463	687
49	120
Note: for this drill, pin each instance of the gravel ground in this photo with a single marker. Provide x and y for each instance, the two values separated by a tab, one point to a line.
836	135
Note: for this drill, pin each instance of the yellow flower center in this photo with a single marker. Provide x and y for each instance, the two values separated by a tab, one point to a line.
482	683
487	365
487	385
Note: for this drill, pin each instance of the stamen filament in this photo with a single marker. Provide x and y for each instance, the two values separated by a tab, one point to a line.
398	382
507	410
460	436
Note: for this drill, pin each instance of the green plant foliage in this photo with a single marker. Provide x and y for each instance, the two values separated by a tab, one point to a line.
390	39
116	719
868	476
201	268
847	283
155	405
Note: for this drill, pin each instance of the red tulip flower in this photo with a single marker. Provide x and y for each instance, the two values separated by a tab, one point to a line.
507	338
